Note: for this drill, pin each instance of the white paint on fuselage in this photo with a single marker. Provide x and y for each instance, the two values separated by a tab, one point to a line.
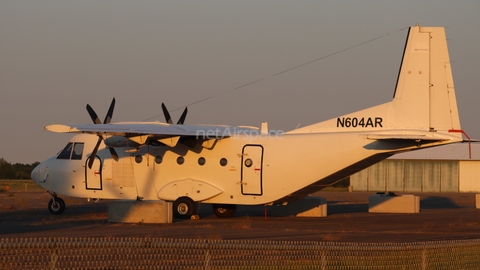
290	163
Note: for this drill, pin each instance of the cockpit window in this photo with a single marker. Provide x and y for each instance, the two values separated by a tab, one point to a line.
72	150
77	151
66	152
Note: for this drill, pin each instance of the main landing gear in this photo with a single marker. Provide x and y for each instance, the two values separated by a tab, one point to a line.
56	205
184	207
224	210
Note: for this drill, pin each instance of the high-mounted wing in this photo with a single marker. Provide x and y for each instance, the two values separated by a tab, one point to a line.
129	129
140	133
156	131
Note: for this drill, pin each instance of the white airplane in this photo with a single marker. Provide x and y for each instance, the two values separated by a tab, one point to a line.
227	166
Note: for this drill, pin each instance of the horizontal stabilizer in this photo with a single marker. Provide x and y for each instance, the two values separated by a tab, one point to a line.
427	136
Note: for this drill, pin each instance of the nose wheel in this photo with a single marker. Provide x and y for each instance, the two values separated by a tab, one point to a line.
56	205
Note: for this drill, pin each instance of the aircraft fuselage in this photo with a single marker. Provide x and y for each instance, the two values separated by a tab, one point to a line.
242	169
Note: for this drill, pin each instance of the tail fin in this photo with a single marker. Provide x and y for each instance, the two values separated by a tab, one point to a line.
424	99
425	96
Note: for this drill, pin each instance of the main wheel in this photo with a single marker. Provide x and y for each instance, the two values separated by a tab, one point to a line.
183	207
56	206
224	210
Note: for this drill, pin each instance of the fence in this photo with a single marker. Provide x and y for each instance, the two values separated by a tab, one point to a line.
161	253
17	185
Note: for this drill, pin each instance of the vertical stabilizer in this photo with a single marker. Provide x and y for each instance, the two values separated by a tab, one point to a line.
425	97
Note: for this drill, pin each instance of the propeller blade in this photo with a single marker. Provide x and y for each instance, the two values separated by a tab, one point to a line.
109	115
93	115
94	153
107	120
182	118
113	153
167	114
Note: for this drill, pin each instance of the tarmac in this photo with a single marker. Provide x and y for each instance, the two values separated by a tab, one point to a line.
443	216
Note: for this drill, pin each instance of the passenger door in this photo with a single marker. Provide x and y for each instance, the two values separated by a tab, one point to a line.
251	175
93	176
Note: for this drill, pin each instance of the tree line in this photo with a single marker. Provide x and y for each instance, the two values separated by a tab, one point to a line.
17	170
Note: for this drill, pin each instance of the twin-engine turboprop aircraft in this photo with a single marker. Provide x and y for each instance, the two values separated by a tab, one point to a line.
227	166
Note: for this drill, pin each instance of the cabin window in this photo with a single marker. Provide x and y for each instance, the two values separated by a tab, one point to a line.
71	151
223	162
180	160
248	163
158	159
201	161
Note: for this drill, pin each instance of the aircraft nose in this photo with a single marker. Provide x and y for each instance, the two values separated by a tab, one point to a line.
36	174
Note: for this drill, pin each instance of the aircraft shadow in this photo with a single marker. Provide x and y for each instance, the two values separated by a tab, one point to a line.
38	220
438	202
336	208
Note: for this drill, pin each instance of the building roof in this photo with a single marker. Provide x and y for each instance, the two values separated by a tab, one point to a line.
454	151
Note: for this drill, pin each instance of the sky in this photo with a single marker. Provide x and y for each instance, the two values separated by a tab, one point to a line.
289	63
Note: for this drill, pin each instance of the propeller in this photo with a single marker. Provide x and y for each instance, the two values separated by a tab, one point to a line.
182	118
168	118
96	120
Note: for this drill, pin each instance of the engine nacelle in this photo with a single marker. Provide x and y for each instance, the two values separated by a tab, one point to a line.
120	141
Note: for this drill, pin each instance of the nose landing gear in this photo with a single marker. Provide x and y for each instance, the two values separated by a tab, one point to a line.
56	205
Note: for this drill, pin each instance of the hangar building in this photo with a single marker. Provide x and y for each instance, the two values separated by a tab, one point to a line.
447	168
